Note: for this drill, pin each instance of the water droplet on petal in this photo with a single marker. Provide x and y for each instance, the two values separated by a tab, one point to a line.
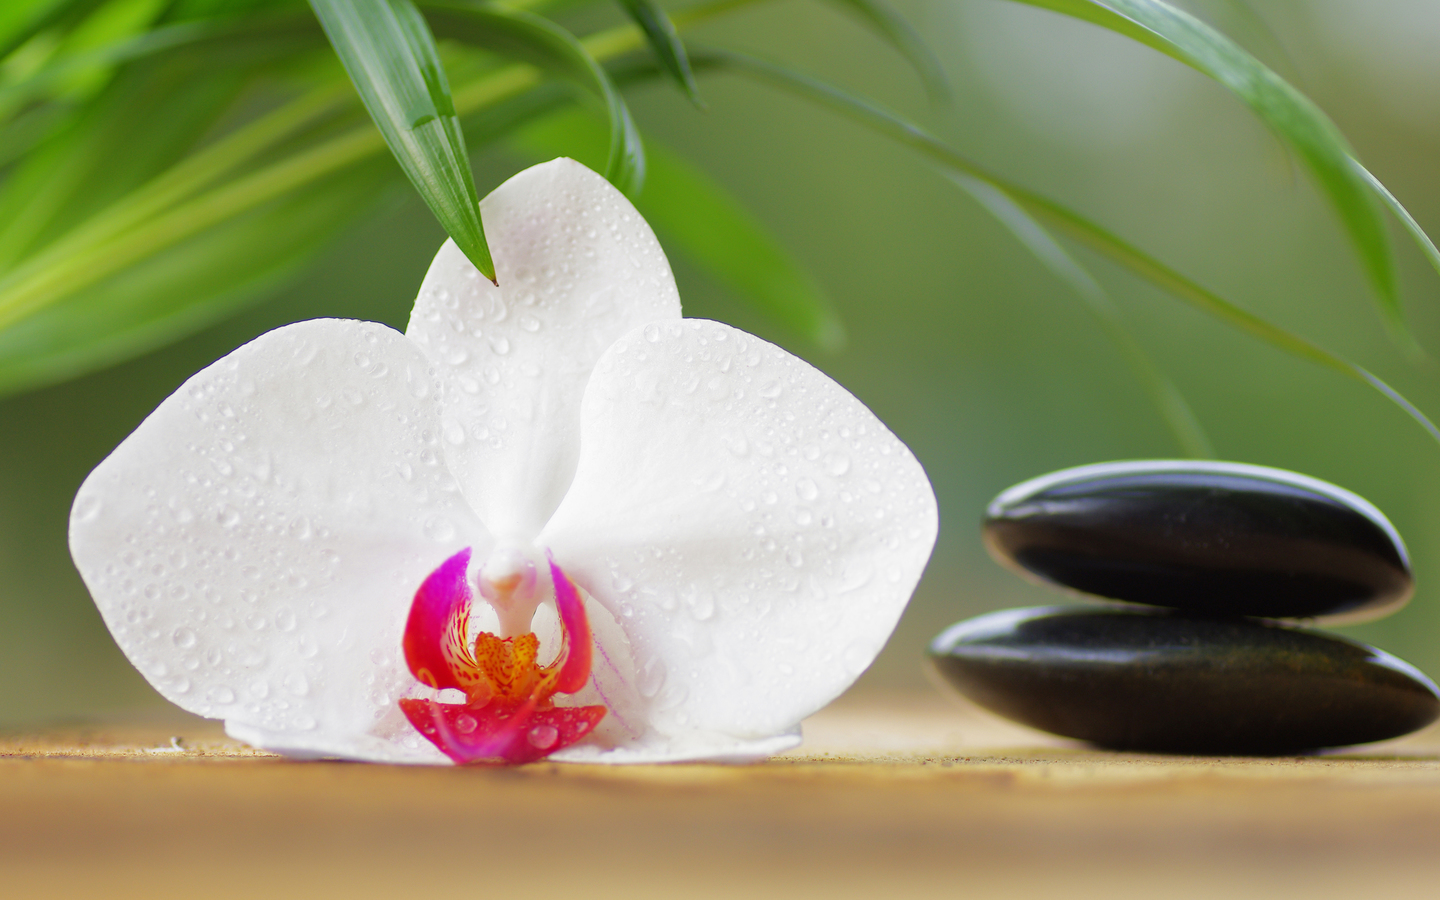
439	528
300	528
87	510
465	723
183	638
543	737
651	679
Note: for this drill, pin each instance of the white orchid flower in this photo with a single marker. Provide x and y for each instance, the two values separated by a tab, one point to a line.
709	537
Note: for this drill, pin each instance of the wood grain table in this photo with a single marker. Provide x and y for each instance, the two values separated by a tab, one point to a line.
891	796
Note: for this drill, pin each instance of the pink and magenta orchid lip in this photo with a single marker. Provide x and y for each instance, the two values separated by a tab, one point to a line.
508	716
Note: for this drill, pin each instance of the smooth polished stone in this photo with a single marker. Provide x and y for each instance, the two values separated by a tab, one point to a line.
1130	678
1218	538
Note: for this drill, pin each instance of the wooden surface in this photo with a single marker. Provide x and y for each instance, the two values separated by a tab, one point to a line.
889	797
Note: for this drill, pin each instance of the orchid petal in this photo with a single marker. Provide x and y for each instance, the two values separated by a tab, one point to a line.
466	735
575	669
254	545
437	633
577	267
752	526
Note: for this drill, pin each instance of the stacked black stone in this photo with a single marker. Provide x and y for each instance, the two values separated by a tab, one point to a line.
1215	552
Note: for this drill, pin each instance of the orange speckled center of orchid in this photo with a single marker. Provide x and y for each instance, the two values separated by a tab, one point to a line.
508	716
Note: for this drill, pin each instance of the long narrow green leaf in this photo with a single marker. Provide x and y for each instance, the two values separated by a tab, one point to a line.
1284	109
665	43
103	57
554	50
43	282
1176	412
21	20
236	262
708	226
391	57
1422	240
109	150
1054	216
885	21
279	34
198	281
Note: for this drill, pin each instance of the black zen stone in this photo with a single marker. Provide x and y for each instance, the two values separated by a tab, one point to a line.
1217	538
1129	678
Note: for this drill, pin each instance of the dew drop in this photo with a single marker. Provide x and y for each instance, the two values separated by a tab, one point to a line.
806	489
183	638
221	695
466	723
702	607
87	510
297	684
837	464
439	528
652	679
543	737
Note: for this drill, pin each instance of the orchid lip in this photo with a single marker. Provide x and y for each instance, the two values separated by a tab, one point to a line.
508	715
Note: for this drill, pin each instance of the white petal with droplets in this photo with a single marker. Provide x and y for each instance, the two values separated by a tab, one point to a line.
577	267
753	527
255	544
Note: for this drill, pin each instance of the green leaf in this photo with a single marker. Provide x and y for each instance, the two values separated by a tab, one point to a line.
101	58
1176	412
1292	115
192	284
1054	216
665	44
391	57
707	225
892	27
110	149
21	20
1417	233
552	49
108	201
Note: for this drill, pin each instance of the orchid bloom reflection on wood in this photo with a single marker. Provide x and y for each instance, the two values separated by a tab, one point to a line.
705	537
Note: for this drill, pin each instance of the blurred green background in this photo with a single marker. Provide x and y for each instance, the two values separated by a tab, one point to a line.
990	369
